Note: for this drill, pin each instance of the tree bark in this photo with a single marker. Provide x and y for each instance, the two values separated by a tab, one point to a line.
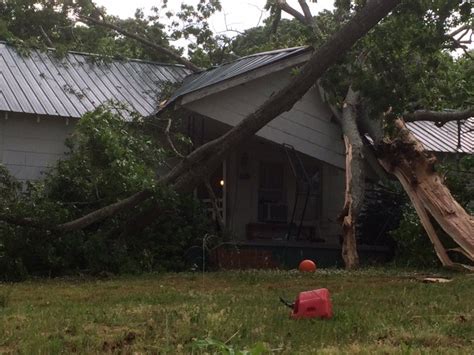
355	180
405	157
105	212
307	12
439	117
283	5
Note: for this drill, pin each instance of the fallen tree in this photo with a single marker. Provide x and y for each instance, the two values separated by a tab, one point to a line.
196	167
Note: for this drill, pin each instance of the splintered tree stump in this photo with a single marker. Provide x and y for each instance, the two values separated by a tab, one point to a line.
406	158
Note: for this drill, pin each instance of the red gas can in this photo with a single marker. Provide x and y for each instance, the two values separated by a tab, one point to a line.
313	304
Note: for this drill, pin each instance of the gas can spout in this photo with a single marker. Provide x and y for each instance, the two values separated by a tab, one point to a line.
287	303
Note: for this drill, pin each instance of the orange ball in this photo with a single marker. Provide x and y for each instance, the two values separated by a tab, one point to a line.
307	266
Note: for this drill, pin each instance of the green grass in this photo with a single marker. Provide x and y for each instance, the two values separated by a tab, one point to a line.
376	311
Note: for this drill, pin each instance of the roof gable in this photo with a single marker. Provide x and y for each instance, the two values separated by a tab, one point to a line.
240	71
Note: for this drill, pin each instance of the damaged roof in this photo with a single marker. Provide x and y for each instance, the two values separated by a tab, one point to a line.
41	83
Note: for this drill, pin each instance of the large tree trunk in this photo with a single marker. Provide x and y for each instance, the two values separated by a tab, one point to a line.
355	180
405	157
201	162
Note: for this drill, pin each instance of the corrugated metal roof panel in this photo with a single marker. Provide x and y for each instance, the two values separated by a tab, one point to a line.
233	69
445	139
39	83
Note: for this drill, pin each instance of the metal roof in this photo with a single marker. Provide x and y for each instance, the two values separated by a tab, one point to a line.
445	138
40	83
233	69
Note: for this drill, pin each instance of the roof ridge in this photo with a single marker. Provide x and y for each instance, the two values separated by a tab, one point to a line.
274	51
104	56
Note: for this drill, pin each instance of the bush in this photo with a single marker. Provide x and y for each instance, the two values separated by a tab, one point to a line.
108	159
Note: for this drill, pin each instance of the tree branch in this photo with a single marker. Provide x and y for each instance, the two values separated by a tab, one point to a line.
25	222
465	27
46	37
170	141
440	117
105	212
160	49
283	5
306	11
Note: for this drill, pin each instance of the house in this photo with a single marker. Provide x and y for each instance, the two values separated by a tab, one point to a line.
283	189
280	193
42	97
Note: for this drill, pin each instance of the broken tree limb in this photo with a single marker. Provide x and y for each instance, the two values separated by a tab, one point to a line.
439	116
355	179
105	212
160	49
349	243
204	160
406	158
441	252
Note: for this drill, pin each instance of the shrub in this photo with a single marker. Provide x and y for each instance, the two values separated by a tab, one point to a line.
108	159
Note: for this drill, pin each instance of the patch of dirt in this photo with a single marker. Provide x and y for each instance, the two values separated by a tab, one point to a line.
112	346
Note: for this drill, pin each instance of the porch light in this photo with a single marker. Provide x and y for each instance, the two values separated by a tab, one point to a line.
221	182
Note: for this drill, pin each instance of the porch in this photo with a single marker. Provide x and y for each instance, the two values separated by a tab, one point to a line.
271	193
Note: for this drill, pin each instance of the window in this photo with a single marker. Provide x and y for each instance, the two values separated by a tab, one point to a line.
272	202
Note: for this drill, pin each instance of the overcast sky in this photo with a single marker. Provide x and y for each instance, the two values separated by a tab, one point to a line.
238	14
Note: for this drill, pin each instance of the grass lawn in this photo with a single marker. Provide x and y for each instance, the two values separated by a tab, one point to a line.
375	311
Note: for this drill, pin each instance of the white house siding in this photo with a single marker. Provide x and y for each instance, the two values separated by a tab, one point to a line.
307	126
28	146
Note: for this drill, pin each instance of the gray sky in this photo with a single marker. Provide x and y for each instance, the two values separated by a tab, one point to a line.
238	14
